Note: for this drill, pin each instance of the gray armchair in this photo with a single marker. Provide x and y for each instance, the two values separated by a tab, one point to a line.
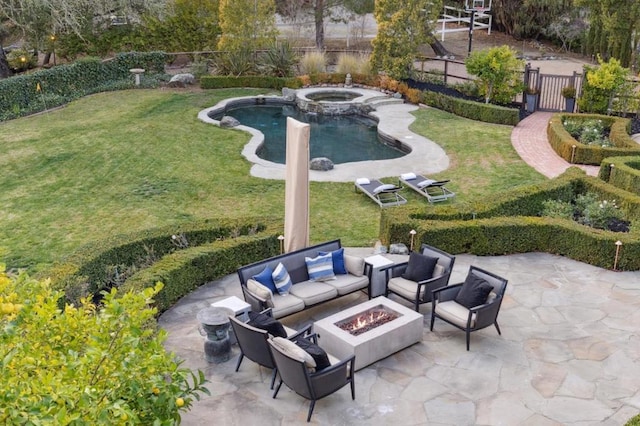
312	385
419	292
445	307
253	343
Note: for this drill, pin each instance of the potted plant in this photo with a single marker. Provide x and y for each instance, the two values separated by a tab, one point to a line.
532	98
569	95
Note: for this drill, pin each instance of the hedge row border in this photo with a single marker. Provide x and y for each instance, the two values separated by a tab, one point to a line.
563	143
509	224
622	172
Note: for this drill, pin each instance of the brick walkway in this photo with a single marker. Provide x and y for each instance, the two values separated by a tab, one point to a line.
529	138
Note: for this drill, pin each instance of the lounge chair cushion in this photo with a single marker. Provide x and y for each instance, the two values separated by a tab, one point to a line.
420	267
281	279
424	183
363	181
312	292
318	354
474	292
320	268
268	323
408	176
294	351
456	313
260	290
337	256
266	279
354	265
384	187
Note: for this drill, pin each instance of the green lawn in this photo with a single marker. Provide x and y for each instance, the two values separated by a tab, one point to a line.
124	161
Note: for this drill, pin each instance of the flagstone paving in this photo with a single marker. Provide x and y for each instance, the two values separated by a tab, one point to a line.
569	354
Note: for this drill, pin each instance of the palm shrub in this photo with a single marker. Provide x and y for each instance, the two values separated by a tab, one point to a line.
313	63
236	62
279	60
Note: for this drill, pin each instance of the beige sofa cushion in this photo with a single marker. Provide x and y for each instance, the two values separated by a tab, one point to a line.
312	292
345	284
354	265
260	290
286	305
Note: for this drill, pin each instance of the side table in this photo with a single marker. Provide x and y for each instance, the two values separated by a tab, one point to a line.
239	307
378	278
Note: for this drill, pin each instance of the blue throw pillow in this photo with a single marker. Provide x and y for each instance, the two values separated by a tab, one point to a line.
337	256
320	268
266	279
281	279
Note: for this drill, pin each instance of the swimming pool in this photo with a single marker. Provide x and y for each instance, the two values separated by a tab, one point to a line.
341	138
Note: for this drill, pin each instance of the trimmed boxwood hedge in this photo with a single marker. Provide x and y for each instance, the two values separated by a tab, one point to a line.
59	85
86	271
509	224
622	172
562	142
474	110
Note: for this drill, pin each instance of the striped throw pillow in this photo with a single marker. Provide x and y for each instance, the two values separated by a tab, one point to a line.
281	279
320	268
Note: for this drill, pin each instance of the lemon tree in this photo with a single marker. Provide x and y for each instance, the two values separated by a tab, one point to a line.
86	364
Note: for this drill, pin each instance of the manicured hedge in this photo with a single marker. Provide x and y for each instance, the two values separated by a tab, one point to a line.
87	271
562	142
220	82
185	270
474	110
622	172
509	224
28	93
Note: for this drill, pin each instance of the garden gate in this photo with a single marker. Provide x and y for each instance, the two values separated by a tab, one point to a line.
550	86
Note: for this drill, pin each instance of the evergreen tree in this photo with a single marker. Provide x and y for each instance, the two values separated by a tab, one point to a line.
247	24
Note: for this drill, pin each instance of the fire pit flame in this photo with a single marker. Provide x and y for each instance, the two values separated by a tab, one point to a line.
368	320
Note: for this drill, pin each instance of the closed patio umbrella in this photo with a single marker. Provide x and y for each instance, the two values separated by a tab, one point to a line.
296	201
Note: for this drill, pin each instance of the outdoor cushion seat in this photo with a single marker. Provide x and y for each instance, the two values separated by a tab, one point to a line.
455	313
348	283
286	305
312	292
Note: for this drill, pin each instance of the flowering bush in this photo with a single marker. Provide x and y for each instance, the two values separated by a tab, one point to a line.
86	365
589	211
588	132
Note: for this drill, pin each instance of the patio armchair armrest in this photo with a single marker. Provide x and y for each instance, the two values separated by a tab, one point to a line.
445	293
304	332
486	314
395	270
334	377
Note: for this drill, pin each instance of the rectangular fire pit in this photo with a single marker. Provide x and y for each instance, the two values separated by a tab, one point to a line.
392	335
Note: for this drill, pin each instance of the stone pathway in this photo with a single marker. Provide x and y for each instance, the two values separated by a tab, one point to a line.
529	138
569	354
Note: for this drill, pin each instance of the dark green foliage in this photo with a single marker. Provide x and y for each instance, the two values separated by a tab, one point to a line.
622	172
91	268
562	142
510	223
279	60
25	94
473	110
237	62
220	82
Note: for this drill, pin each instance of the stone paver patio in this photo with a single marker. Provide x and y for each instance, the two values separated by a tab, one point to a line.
569	355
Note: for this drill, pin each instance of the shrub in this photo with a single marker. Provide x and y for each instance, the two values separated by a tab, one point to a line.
498	70
279	60
474	110
589	132
313	63
236	62
353	64
600	84
87	364
557	208
219	82
21	60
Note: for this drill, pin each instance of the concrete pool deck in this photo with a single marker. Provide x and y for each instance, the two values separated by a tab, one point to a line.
426	156
569	354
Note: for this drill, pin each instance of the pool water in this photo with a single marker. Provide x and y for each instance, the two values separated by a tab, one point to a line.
342	139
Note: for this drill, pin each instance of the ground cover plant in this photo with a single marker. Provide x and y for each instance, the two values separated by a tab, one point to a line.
120	162
589	210
589	131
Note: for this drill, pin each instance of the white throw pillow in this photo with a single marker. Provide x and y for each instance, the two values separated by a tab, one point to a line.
363	181
408	176
260	290
384	187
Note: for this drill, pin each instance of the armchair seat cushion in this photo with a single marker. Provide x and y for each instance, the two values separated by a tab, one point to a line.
404	287
346	284
312	292
455	313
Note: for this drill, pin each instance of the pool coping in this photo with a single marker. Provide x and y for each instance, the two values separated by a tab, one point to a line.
426	157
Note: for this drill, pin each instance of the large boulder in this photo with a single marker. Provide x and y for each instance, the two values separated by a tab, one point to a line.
288	95
228	121
322	164
184	78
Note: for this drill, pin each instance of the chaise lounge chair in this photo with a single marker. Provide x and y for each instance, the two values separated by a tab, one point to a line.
384	194
434	190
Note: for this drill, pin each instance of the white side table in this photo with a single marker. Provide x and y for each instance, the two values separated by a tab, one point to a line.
378	278
237	305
